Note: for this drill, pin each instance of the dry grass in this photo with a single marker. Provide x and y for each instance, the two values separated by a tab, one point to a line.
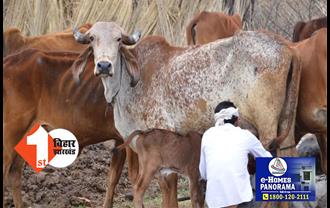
163	17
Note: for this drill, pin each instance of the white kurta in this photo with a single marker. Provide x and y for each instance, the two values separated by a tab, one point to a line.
223	163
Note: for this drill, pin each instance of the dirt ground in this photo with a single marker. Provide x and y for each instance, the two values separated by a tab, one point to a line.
83	184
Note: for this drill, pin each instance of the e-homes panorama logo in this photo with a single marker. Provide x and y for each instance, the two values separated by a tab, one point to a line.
277	166
58	148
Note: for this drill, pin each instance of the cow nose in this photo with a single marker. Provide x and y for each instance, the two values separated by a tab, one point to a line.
104	67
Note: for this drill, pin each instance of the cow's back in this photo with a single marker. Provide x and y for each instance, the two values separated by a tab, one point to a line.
206	27
15	41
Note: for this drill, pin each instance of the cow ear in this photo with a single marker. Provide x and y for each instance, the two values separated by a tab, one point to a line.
296	31
79	64
238	20
131	65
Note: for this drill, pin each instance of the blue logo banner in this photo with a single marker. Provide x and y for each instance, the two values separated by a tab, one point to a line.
285	179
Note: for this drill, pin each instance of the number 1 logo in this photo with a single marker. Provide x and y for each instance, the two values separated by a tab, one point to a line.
39	148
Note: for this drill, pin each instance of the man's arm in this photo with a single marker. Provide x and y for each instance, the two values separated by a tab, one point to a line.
256	148
202	164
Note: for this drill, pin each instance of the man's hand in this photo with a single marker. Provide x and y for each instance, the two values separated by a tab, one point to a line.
203	184
251	164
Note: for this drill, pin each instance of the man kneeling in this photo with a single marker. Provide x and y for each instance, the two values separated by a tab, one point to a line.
224	158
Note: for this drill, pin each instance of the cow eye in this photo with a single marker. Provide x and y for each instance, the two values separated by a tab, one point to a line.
91	38
118	39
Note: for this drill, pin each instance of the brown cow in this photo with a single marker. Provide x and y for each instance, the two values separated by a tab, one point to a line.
206	27
312	101
165	152
303	30
38	88
14	41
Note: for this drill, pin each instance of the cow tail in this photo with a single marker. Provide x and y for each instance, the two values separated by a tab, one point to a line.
127	142
291	100
296	31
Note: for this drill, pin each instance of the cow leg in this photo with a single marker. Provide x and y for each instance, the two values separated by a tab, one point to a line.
196	192
7	162
115	170
133	164
269	132
14	131
266	136
288	142
298	133
145	175
12	176
284	204
165	190
268	204
168	187
322	140
172	182
274	204
15	176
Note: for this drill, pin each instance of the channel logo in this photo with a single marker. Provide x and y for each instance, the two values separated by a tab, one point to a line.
277	166
58	148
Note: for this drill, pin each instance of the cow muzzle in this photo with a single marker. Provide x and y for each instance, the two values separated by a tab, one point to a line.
105	68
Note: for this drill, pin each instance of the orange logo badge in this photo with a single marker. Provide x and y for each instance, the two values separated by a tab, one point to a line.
58	148
36	148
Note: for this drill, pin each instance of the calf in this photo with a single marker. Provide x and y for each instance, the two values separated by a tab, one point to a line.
166	152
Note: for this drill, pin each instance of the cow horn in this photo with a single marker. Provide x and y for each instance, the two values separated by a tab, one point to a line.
131	39
79	37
